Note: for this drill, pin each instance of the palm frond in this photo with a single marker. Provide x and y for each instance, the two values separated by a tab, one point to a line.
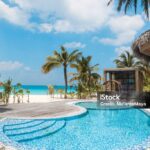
110	1
74	56
145	4
132	4
58	56
49	66
127	60
89	58
135	6
128	4
76	66
120	3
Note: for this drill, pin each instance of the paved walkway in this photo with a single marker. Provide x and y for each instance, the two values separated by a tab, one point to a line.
40	110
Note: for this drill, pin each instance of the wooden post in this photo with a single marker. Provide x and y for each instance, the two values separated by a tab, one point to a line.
105	79
137	81
113	78
110	78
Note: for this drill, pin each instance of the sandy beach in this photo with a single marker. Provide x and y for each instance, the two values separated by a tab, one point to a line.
37	99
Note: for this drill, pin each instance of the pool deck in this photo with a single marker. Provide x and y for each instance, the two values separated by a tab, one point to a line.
47	110
57	109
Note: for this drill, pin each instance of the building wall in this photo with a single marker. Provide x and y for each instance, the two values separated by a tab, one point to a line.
131	80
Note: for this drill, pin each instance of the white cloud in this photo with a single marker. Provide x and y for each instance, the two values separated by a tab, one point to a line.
12	65
125	28
45	27
81	16
15	15
120	50
75	16
74	45
58	16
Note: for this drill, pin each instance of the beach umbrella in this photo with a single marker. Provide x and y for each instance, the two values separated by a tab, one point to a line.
141	46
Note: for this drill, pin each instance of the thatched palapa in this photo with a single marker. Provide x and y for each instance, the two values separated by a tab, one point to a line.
141	46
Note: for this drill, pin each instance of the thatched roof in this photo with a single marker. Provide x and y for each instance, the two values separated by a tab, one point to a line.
138	45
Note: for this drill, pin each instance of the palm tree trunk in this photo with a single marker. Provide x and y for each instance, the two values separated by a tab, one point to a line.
66	80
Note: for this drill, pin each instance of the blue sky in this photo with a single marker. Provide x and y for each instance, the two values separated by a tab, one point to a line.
29	33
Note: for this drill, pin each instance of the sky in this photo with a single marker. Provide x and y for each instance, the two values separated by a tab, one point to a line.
31	29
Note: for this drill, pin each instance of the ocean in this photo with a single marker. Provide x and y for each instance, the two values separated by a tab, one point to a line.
43	89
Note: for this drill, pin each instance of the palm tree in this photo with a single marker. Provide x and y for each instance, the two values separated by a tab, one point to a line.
14	92
86	75
61	59
126	59
20	94
145	69
28	93
133	3
7	90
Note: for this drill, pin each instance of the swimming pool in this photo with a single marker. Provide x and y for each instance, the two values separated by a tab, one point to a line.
98	129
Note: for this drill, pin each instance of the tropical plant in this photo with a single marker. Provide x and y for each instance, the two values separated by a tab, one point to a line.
51	90
64	58
60	92
19	95
145	69
28	93
14	92
18	85
19	92
145	4
126	59
7	86
86	76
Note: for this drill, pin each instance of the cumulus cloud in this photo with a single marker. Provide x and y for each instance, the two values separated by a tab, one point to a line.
74	45
71	15
75	16
12	65
122	49
45	27
125	28
15	15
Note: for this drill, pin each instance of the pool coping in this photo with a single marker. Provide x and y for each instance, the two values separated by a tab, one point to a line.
78	112
146	111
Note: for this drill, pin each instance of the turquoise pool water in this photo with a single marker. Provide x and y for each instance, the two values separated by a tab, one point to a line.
99	129
43	90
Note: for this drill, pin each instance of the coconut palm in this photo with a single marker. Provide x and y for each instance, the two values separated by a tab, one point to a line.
20	94
126	59
145	69
14	92
62	59
28	93
86	75
51	90
145	4
7	85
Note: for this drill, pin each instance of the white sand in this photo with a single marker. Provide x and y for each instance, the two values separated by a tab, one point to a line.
37	99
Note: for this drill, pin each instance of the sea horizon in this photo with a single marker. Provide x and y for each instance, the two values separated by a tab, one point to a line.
43	89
